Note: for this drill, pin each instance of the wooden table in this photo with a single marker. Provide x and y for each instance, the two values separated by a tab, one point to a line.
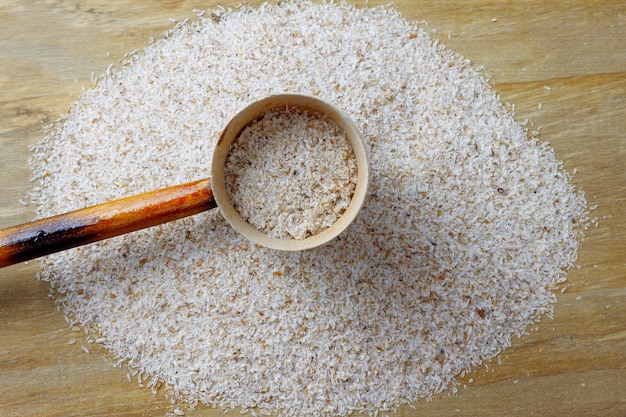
562	63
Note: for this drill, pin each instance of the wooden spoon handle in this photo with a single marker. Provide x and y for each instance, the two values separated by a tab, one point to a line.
91	224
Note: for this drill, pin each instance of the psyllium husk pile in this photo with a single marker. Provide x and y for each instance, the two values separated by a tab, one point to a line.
469	226
291	174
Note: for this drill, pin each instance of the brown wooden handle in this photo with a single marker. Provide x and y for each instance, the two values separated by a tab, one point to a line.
91	224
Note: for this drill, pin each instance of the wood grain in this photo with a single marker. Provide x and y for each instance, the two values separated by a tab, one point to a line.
563	64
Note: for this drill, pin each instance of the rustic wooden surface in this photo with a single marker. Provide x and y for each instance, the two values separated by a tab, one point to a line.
572	365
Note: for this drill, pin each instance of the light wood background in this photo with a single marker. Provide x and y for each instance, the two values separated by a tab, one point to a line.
573	365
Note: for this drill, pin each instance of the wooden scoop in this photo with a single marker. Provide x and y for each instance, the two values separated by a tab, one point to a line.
88	225
91	224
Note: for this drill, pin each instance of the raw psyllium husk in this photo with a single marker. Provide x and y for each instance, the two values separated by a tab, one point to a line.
469	226
291	174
